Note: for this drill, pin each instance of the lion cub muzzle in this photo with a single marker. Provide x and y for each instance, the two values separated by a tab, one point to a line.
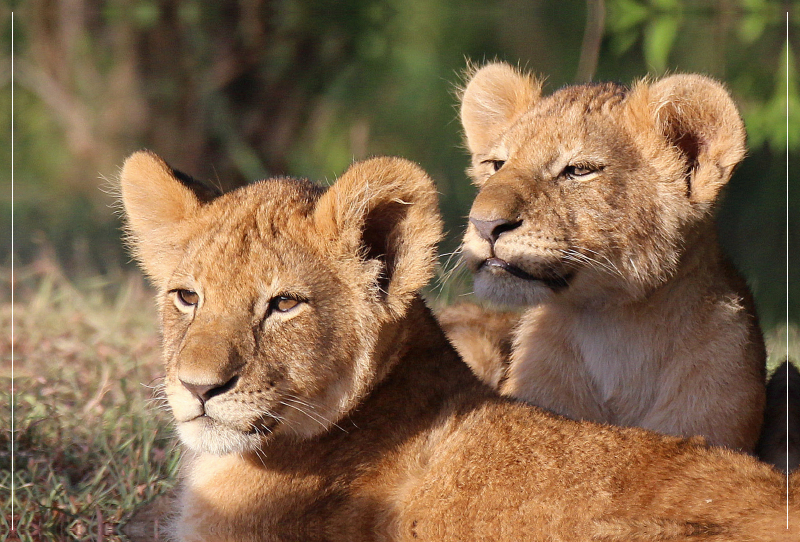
204	392
491	230
208	367
498	245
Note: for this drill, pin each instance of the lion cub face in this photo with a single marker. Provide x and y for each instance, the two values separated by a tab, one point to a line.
595	191
260	291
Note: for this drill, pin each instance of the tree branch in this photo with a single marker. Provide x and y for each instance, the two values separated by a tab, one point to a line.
592	36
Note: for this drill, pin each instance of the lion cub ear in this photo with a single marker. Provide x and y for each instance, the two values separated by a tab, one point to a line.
157	200
698	117
385	211
494	98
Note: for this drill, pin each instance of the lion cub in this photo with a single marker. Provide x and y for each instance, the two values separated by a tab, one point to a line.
595	211
319	400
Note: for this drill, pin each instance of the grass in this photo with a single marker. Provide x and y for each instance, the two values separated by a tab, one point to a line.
90	445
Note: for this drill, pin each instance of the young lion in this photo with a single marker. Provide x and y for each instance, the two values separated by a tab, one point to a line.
595	210
319	400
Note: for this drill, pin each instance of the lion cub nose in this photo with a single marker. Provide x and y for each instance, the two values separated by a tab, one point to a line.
204	392
490	230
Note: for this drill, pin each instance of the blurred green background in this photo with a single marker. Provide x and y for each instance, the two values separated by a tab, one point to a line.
236	90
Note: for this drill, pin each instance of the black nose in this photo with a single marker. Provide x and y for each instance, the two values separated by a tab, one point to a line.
492	229
204	392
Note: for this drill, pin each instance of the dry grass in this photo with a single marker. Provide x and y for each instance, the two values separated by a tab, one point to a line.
90	444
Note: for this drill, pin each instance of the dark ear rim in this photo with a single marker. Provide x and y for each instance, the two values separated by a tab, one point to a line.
204	192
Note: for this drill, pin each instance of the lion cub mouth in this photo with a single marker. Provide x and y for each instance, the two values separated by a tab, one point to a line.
553	281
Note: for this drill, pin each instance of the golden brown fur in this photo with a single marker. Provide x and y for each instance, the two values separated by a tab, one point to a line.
482	338
595	210
345	415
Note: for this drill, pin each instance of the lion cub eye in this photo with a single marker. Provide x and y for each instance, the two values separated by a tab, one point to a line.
580	172
496	164
186	298
283	303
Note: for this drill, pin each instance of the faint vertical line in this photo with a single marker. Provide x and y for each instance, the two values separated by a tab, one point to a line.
787	269
13	432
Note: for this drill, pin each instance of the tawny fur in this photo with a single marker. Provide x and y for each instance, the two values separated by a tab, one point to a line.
609	193
347	416
482	337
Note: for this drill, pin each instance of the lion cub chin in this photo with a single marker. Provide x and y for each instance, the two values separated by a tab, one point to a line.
319	400
595	211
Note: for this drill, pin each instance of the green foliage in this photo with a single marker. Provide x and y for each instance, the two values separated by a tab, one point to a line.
659	36
660	25
767	121
232	93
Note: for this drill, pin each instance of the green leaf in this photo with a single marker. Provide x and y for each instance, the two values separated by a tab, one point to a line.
624	15
146	14
623	41
767	123
751	27
659	37
666	5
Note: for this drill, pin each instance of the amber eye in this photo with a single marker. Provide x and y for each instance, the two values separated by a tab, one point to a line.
577	172
495	164
187	298
283	303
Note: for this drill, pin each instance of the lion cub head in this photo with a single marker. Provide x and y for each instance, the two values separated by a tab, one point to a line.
275	297
594	191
